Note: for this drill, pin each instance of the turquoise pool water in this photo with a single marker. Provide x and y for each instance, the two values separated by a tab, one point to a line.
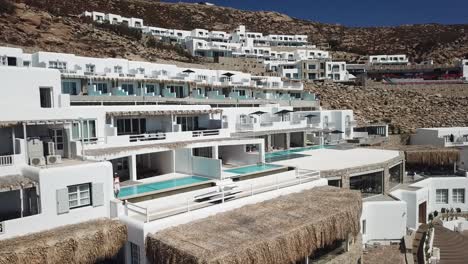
157	186
290	153
253	168
272	157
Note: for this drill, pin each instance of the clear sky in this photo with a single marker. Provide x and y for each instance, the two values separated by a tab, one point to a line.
360	12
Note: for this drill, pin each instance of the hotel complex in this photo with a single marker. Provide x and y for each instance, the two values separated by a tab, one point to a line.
198	165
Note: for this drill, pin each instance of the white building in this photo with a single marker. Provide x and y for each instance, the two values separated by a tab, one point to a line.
464	65
441	136
178	142
399	59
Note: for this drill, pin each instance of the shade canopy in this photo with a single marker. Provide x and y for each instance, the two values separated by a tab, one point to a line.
258	113
188	71
310	115
228	74
337	132
284	111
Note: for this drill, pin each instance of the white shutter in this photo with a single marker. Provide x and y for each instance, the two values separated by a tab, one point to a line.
62	201
98	194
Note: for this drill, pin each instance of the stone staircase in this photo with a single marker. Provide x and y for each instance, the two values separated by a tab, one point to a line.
453	245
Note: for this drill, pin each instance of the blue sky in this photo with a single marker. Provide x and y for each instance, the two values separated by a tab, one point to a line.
360	12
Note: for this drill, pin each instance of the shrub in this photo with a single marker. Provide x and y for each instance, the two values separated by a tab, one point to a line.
6	7
431	217
436	213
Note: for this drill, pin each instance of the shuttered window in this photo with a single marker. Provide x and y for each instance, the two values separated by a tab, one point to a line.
79	195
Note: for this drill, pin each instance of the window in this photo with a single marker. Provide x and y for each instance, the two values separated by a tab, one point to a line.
118	69
442	196
87	131
61	65
458	195
150	88
243	119
128	88
134	253
79	195
312	76
69	88
364	226
91	68
312	66
101	87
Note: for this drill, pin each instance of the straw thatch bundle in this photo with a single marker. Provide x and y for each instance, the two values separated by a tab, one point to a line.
15	182
432	156
88	242
281	230
5	124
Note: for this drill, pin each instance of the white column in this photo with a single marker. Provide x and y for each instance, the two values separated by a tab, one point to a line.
26	152
13	139
214	152
132	167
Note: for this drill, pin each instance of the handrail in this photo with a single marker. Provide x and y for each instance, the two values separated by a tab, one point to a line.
241	193
6	160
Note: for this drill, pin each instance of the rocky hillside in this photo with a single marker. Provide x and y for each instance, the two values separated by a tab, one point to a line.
38	30
404	108
432	41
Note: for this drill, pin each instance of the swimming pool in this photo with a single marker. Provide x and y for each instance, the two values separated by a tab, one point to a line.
272	157
157	186
290	153
253	168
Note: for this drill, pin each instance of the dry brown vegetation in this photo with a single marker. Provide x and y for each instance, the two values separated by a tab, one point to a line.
443	43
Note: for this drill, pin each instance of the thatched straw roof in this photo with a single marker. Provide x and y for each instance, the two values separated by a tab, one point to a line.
15	182
431	156
4	124
163	112
88	242
281	230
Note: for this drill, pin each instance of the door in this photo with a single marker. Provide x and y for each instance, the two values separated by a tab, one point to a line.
422	213
45	95
57	136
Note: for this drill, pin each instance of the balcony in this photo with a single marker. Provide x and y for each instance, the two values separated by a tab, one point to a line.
273	124
159	137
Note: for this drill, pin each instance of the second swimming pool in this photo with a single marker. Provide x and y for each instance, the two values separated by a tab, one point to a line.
157	186
253	168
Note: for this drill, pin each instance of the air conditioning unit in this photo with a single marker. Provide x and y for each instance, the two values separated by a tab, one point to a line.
54	159
37	161
49	148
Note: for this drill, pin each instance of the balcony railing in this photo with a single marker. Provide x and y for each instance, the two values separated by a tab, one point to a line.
205	133
302	177
6	160
148	137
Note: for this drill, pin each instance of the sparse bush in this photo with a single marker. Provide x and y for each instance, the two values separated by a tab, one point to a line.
6	7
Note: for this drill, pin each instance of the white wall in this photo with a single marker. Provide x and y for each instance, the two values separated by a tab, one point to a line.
53	179
385	220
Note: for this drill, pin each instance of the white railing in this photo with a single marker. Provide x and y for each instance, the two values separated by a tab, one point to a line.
205	133
6	160
147	137
302	177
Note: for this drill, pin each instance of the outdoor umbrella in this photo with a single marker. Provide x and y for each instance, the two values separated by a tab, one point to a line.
228	74
258	113
282	113
337	132
188	71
